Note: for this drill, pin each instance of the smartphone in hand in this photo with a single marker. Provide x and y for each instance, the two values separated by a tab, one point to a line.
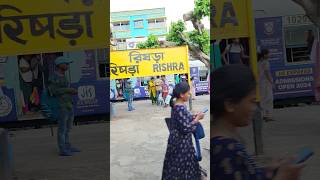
205	110
303	155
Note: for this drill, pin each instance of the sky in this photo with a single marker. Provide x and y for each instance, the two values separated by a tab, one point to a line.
174	8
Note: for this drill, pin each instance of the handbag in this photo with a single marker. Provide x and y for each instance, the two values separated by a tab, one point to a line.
168	120
198	134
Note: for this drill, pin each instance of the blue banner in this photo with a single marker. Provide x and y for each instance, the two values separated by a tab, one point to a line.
194	72
202	87
293	81
140	92
93	98
88	69
8	111
270	36
290	80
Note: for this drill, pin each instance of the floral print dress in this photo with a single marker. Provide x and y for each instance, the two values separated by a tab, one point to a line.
230	161
180	162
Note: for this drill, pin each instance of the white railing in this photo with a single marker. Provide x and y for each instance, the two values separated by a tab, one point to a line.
121	28
157	25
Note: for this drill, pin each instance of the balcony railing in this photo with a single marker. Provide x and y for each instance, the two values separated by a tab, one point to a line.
157	25
121	46
121	28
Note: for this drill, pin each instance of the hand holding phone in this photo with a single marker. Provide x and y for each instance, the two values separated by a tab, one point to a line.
205	110
303	155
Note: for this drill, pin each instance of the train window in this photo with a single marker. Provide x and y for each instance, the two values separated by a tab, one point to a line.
203	74
104	70
144	81
299	41
103	60
298	54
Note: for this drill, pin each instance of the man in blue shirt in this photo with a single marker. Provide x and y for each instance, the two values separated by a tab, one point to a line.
59	86
130	94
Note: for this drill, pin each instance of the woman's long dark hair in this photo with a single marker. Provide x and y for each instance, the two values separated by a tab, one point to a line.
180	88
230	83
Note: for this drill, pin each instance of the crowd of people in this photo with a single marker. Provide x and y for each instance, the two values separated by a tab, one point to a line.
159	91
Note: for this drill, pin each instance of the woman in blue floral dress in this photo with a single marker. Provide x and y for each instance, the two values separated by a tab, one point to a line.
180	162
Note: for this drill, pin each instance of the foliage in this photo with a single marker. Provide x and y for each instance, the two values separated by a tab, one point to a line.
174	33
202	40
202	9
151	42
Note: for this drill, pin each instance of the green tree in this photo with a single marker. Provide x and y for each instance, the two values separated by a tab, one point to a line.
151	42
197	40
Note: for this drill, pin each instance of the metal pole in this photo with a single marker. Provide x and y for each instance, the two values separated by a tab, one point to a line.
257	121
190	103
51	127
42	72
257	131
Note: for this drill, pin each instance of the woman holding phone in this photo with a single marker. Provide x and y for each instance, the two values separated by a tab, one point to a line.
180	161
233	103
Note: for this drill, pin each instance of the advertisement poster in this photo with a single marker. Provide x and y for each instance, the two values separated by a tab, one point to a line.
289	80
92	98
270	36
93	95
88	69
194	72
202	87
7	105
140	92
293	82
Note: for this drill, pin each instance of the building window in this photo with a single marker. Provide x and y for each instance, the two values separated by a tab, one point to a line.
138	24
160	20
126	23
156	23
121	26
120	40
